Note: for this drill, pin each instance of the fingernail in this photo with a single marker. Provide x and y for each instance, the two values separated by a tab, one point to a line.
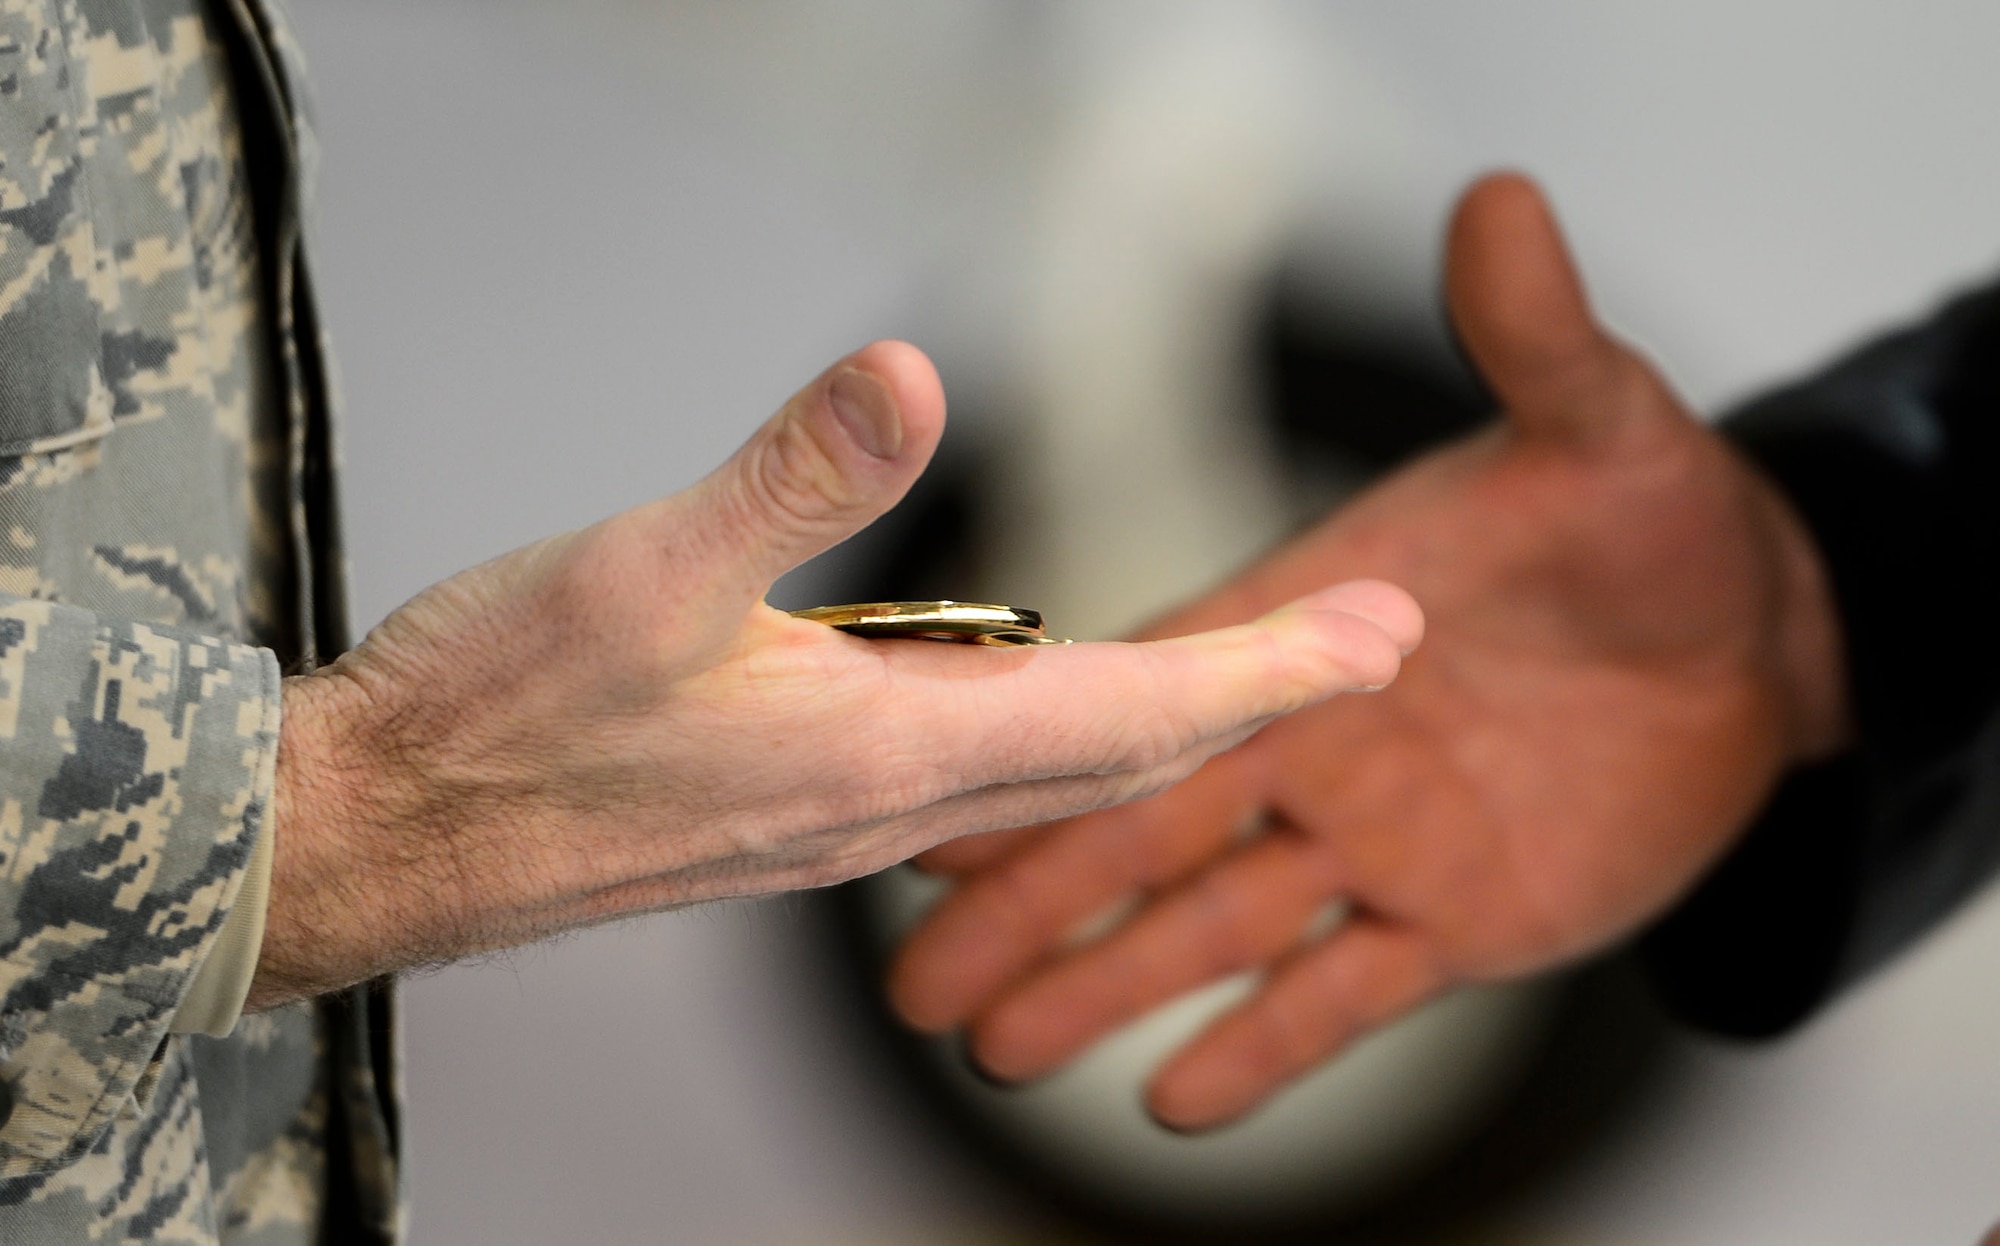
981	1072
1186	1127
865	408
1218	1099
1175	1127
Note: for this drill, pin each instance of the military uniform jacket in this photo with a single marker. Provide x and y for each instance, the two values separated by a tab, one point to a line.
167	551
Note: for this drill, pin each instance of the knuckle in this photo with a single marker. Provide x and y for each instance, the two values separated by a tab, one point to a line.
1147	746
875	792
1154	733
1120	786
1015	901
1156	779
1153	727
792	483
885	784
1230	939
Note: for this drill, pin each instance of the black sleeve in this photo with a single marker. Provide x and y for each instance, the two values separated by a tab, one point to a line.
1892	457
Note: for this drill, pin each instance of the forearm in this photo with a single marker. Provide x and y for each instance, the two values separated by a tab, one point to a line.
333	917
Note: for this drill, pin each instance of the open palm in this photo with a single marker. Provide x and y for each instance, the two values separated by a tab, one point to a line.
1629	639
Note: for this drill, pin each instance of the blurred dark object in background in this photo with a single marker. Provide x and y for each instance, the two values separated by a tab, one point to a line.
1337	389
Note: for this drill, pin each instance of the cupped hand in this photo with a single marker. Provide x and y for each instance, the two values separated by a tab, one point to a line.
613	721
1629	638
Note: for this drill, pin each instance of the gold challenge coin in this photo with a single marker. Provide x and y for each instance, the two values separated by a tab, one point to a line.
960	622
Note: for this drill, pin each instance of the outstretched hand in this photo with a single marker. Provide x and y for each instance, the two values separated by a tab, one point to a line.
613	721
1629	639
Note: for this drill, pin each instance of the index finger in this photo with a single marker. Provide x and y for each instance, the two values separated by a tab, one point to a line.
1112	708
1002	922
973	853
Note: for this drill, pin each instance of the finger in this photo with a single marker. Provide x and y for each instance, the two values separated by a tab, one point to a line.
1110	708
1389	607
857	849
1520	308
973	853
1381	603
998	924
1242	913
1364	975
841	452
1102	708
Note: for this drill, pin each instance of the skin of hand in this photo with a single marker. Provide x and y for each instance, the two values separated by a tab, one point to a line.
1630	638
613	721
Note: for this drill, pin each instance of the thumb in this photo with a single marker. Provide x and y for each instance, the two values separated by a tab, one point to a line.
1519	306
841	452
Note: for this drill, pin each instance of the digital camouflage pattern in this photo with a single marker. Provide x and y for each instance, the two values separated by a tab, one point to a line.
166	539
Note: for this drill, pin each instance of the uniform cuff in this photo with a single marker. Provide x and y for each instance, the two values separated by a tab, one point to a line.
144	759
214	1000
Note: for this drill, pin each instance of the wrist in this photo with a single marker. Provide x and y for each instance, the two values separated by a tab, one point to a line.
336	914
1808	644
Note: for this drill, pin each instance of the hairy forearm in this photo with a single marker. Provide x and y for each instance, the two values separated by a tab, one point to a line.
338	870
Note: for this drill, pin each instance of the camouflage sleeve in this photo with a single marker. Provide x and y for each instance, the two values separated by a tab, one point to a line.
136	769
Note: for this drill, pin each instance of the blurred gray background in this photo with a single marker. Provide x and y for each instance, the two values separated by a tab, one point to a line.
572	254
